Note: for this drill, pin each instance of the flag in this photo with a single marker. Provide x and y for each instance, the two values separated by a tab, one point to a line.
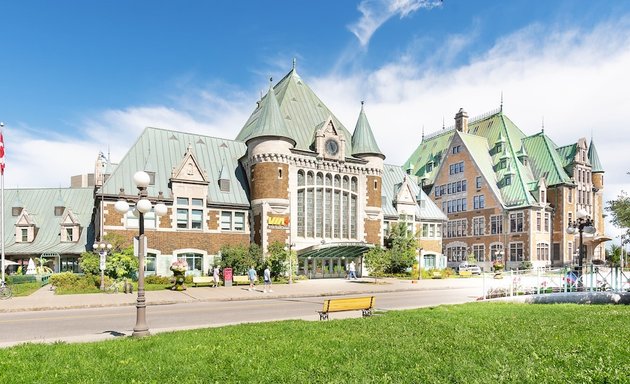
2	153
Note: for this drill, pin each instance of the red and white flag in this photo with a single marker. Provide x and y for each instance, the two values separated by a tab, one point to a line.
2	153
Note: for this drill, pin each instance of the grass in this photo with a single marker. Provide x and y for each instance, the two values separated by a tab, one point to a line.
25	289
471	343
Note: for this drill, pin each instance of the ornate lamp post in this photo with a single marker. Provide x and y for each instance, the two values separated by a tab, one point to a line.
143	205
582	223
102	248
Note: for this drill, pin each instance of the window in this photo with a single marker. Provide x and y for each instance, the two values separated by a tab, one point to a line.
429	262
516	222
496	252
15	211
430	230
232	221
570	217
69	264
479	252
479	202
542	251
516	252
69	233
150	263
543	196
478	182
547	222
508	179
133	221
457	149
496	224
478	226
570	195
59	211
456	254
538	221
429	167
190	213
24	232
456	168
194	261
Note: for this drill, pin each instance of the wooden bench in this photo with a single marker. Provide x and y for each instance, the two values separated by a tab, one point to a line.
363	304
238	279
465	273
202	280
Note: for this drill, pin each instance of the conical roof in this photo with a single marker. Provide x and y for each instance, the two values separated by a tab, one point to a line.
270	122
363	142
593	158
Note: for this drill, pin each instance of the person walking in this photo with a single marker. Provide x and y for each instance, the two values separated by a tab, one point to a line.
252	277
352	269
215	276
267	279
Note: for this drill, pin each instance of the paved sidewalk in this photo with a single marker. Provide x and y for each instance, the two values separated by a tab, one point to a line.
45	299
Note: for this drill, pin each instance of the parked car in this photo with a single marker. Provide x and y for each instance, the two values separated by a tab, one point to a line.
472	268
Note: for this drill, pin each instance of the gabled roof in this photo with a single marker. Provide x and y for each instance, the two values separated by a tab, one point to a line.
40	203
593	158
301	110
567	154
545	159
393	178
171	147
363	142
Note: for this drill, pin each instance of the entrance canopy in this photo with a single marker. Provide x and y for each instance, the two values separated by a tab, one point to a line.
347	250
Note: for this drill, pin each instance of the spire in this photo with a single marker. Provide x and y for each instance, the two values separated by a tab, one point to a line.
593	158
270	122
443	126
501	106
422	139
542	129
363	142
294	64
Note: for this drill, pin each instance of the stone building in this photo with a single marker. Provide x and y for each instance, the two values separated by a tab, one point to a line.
294	174
509	196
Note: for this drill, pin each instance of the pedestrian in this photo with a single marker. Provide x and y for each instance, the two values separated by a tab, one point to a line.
252	277
352	271
267	278
215	276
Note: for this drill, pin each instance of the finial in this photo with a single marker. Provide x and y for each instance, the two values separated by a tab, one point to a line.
270	82
443	126
422	133
543	125
501	107
294	63
362	102
189	148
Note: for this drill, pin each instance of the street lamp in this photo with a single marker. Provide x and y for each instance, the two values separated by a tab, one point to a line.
290	247
102	248
143	205
582	223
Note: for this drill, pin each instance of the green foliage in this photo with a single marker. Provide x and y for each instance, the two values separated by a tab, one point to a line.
70	283
25	289
262	352
42	268
21	279
241	257
402	245
377	260
278	259
120	263
155	279
89	263
620	211
525	265
613	255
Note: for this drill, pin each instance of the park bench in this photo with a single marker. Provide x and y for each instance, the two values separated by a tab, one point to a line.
202	280
465	273
363	304
238	279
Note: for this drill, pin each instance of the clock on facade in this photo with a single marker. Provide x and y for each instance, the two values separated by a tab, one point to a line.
332	147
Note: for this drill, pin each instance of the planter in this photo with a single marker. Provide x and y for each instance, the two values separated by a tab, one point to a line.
179	281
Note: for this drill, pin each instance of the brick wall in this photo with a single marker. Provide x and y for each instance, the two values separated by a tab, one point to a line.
266	183
372	231
373	193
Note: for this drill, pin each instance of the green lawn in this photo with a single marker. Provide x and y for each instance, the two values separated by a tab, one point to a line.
472	343
25	289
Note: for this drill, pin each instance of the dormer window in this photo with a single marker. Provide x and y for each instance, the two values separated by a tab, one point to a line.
543	196
224	185
59	210
23	235
508	179
15	211
70	233
151	177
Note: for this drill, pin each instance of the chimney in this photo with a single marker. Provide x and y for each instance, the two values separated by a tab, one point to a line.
461	121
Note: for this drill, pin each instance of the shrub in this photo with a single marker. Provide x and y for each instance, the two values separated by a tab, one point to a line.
68	282
21	279
155	279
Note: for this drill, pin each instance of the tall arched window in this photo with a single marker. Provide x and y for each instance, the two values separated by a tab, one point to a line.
327	205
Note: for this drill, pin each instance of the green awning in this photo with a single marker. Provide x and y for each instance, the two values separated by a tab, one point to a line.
348	250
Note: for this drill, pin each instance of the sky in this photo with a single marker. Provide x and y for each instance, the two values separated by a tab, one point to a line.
78	77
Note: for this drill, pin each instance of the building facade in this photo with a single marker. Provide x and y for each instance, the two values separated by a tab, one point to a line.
509	196
294	174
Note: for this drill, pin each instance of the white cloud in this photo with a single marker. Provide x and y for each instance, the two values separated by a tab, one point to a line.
375	13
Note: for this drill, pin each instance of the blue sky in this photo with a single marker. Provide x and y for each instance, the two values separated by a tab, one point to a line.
78	77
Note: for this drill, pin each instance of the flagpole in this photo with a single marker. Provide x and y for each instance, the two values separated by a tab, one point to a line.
2	198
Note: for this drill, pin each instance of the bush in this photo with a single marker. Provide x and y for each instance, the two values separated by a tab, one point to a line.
525	265
68	282
155	279
21	279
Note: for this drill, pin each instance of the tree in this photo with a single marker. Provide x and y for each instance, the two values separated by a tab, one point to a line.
613	255
277	259
402	244
377	260
241	257
620	211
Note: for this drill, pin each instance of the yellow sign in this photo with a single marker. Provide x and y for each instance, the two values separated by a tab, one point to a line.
278	221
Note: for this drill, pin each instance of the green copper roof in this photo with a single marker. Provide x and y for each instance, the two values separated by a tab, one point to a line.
269	122
567	154
545	160
165	149
593	158
427	158
301	110
39	204
363	139
393	177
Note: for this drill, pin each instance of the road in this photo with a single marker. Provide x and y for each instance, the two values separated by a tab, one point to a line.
92	324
